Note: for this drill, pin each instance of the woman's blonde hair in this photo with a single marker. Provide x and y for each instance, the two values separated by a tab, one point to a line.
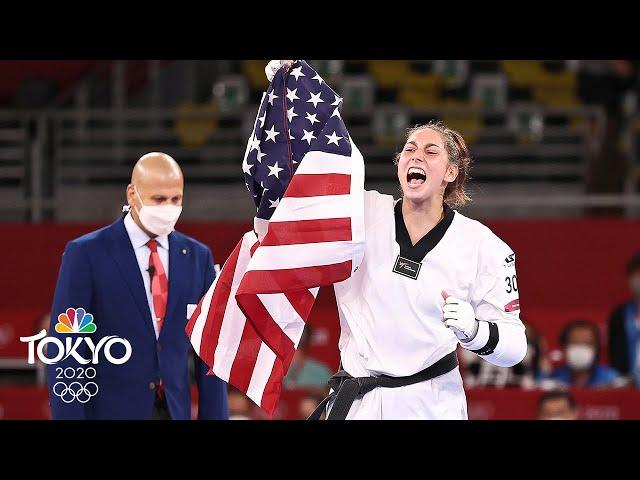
455	194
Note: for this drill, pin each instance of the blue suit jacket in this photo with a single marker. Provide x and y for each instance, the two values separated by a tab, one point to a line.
100	273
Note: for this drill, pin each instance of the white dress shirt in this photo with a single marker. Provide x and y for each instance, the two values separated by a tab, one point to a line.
139	241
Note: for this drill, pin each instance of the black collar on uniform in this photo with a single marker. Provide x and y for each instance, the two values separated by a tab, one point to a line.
418	251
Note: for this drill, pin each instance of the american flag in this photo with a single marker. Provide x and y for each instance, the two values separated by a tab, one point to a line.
306	177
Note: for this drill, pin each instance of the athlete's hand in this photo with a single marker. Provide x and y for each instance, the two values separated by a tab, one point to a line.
459	316
274	65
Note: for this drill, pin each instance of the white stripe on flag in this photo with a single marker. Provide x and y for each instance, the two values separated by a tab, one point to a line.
280	257
283	314
261	373
201	321
323	162
313	208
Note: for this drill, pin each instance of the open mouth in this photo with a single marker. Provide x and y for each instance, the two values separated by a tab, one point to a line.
416	176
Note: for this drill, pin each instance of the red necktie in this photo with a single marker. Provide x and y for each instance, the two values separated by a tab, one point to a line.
159	284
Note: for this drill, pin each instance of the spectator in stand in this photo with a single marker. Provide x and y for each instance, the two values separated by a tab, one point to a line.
624	327
557	405
580	340
305	371
479	373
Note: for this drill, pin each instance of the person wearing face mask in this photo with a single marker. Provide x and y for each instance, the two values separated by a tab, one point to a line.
581	342
141	280
624	327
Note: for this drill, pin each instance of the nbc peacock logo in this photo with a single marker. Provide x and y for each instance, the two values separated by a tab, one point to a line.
82	349
75	320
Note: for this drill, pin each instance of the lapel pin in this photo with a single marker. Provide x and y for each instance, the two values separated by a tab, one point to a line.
184	251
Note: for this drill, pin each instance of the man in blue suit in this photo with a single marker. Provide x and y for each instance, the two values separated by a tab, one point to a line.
141	280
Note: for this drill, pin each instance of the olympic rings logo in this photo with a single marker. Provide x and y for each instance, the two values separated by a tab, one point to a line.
75	391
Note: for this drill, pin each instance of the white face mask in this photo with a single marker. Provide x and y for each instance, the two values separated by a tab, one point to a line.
158	219
580	357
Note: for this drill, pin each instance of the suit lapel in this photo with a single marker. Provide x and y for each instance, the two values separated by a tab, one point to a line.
121	250
178	254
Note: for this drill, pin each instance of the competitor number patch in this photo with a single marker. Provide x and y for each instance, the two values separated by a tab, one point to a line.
406	267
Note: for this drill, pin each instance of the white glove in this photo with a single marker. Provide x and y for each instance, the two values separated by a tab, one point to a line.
459	316
274	65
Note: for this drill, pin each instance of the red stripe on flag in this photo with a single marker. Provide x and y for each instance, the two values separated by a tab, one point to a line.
318	184
308	231
254	248
273	388
215	315
270	332
278	281
302	301
246	357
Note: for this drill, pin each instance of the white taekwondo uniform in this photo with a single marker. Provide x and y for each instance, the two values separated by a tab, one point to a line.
392	324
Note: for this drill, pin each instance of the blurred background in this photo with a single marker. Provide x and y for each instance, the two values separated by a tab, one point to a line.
556	175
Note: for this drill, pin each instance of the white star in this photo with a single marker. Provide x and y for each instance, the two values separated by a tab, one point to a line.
272	97
319	78
271	134
337	100
246	168
336	113
255	144
293	161
291	137
274	170
308	136
274	204
333	138
263	187
260	155
297	72
312	118
291	114
262	119
291	95
315	99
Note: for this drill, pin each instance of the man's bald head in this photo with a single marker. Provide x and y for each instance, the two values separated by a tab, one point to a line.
157	178
155	165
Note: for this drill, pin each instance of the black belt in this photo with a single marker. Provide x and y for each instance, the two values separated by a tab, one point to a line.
347	388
